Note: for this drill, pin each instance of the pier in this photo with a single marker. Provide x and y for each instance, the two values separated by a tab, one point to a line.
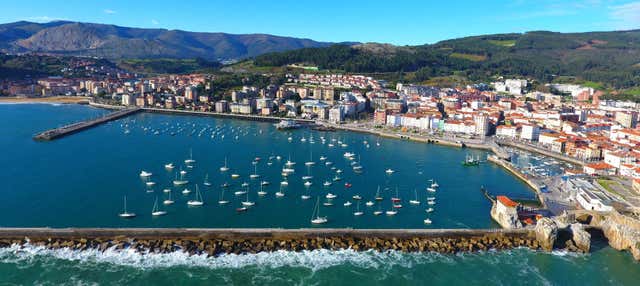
60	132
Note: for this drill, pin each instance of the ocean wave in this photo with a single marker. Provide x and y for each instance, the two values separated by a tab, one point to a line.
310	259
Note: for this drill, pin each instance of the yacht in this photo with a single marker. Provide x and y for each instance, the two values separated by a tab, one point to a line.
166	191
280	193
235	176
358	212
125	213
348	203
369	203
356	197
331	196
284	183
327	183
156	211
247	202
198	200
222	201
429	210
261	192
206	181
391	212
427	221
389	171
183	172
169	166
264	183
315	217
145	174
186	191
190	160
224	168
308	184
415	201
378	196
168	201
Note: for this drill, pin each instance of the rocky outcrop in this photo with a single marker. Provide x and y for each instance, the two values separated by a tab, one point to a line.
580	237
546	233
506	217
623	233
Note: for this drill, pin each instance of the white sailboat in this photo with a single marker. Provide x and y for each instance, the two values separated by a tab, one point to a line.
255	173
389	171
156	211
369	203
331	196
378	196
315	217
145	174
222	201
190	160
125	213
186	191
206	180
415	201
358	212
261	192
198	201
168	201
169	166
310	162
181	181
280	193
224	168
427	221
347	204
247	202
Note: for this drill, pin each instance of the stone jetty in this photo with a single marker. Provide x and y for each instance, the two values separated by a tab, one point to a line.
79	126
219	241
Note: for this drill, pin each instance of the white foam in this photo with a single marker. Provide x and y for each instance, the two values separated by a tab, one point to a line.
311	259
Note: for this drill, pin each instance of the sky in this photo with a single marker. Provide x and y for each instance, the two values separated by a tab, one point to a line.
400	22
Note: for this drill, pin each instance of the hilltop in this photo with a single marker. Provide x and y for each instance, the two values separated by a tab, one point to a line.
610	58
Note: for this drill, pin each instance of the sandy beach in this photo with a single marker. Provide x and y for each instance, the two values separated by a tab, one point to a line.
51	99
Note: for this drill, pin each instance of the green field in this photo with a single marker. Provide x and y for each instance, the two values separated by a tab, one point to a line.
470	57
503	43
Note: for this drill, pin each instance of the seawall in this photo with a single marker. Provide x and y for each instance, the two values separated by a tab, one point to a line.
218	241
520	176
542	152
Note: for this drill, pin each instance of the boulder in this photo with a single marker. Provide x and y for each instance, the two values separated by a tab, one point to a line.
581	238
546	233
623	233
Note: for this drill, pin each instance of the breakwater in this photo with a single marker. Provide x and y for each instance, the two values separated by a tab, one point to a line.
60	132
519	175
529	148
219	241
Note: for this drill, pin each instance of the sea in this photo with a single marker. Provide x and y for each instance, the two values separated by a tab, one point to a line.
82	180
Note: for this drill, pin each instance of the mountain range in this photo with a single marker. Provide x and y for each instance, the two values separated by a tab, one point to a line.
115	42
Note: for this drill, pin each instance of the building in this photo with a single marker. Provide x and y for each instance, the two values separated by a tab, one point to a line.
380	117
530	132
128	99
599	168
507	131
191	93
222	106
628	119
336	114
590	200
482	124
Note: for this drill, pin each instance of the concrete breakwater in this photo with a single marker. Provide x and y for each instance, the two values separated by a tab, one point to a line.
79	126
218	241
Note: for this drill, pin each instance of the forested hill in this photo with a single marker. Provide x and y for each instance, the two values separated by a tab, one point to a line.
611	58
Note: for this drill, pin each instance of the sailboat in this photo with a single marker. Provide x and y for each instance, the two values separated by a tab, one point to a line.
327	183
198	201
145	174
181	181
125	213
247	202
280	193
206	181
379	211
186	191
369	203
331	196
415	201
168	201
261	192
389	171
358	212
315	217
224	168
190	160
378	196
222	201
169	166
310	162
255	172
396	198
347	204
427	221
156	211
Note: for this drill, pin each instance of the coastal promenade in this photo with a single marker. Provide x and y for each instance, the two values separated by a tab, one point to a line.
79	126
252	117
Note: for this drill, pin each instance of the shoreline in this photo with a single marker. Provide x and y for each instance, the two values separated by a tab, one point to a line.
51	99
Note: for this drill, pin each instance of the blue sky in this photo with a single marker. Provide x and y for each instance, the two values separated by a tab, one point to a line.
402	22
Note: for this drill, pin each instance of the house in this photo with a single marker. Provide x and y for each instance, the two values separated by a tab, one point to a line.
599	168
589	200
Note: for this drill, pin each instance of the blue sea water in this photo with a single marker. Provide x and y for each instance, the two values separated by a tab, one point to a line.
81	180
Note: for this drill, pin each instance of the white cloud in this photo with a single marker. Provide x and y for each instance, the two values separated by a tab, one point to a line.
625	16
155	22
109	11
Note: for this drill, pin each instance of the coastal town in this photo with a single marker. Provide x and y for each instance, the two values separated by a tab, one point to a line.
597	139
